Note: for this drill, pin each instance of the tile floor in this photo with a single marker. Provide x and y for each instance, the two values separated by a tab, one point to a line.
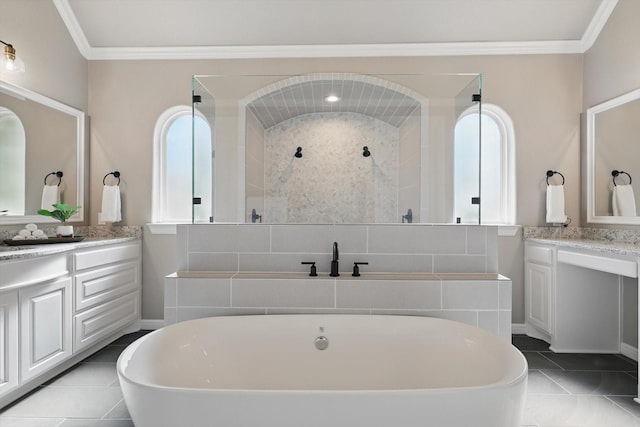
565	390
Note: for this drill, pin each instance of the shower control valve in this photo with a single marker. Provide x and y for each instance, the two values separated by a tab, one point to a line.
356	269
312	270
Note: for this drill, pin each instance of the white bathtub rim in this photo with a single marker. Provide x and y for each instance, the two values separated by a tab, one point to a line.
126	355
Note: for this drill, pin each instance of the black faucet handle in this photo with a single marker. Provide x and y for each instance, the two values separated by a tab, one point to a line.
356	269
312	271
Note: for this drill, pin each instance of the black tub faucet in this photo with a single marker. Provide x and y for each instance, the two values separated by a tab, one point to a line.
334	261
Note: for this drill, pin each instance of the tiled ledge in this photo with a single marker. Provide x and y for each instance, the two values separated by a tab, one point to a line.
325	276
482	300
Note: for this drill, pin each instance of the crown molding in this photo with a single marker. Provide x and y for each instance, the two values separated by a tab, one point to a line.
73	26
597	23
334	51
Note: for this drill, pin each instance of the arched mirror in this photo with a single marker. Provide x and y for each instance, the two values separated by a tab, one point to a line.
38	136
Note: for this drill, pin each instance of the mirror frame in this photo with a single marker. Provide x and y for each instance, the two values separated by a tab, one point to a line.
591	152
26	94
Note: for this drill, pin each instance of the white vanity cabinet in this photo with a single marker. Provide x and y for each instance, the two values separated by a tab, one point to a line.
59	304
107	291
35	317
539	279
574	294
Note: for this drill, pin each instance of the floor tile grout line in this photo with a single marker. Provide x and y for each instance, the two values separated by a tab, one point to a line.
111	409
555	382
546	358
622	407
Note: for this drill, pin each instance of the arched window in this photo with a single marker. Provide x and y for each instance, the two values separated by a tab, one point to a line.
497	165
173	180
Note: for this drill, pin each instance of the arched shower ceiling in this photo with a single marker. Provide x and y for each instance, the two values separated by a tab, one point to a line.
362	94
300	104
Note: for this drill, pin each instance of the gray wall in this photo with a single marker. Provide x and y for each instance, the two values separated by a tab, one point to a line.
54	66
612	65
612	68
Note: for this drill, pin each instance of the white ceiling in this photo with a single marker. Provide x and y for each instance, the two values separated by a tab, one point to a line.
174	29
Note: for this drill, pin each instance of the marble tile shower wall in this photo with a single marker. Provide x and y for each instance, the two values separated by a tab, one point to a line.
414	248
332	182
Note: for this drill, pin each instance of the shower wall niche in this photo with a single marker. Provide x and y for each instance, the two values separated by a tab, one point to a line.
338	148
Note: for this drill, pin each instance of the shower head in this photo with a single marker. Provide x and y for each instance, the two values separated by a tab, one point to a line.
365	151
298	152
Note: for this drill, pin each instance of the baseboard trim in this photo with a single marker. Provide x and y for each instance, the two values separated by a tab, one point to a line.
519	329
151	324
629	351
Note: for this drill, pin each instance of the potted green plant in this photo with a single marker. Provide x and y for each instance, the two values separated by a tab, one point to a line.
62	213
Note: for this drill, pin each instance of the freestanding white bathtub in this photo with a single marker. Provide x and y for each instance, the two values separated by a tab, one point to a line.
270	371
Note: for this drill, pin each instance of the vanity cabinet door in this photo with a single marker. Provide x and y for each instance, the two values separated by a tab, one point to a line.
45	316
538	279
8	342
539	276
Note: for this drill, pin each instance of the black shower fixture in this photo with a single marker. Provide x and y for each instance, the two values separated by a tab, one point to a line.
298	152
365	151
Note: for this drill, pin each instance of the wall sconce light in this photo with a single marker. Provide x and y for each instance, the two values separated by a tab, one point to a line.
9	61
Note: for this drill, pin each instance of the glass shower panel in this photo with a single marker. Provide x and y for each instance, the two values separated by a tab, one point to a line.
202	154
467	165
332	147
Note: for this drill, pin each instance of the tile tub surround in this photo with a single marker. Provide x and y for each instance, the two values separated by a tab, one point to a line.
447	271
482	300
408	248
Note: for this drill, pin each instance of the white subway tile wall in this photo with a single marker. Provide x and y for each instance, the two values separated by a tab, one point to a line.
453	272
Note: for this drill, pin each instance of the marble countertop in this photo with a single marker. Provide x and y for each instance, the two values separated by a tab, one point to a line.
29	251
606	241
94	236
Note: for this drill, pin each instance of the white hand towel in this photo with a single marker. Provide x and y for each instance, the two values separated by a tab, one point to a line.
111	208
50	195
623	201
555	204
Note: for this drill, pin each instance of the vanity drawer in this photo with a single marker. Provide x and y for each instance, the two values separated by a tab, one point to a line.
618	266
101	285
30	271
101	321
539	254
106	255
